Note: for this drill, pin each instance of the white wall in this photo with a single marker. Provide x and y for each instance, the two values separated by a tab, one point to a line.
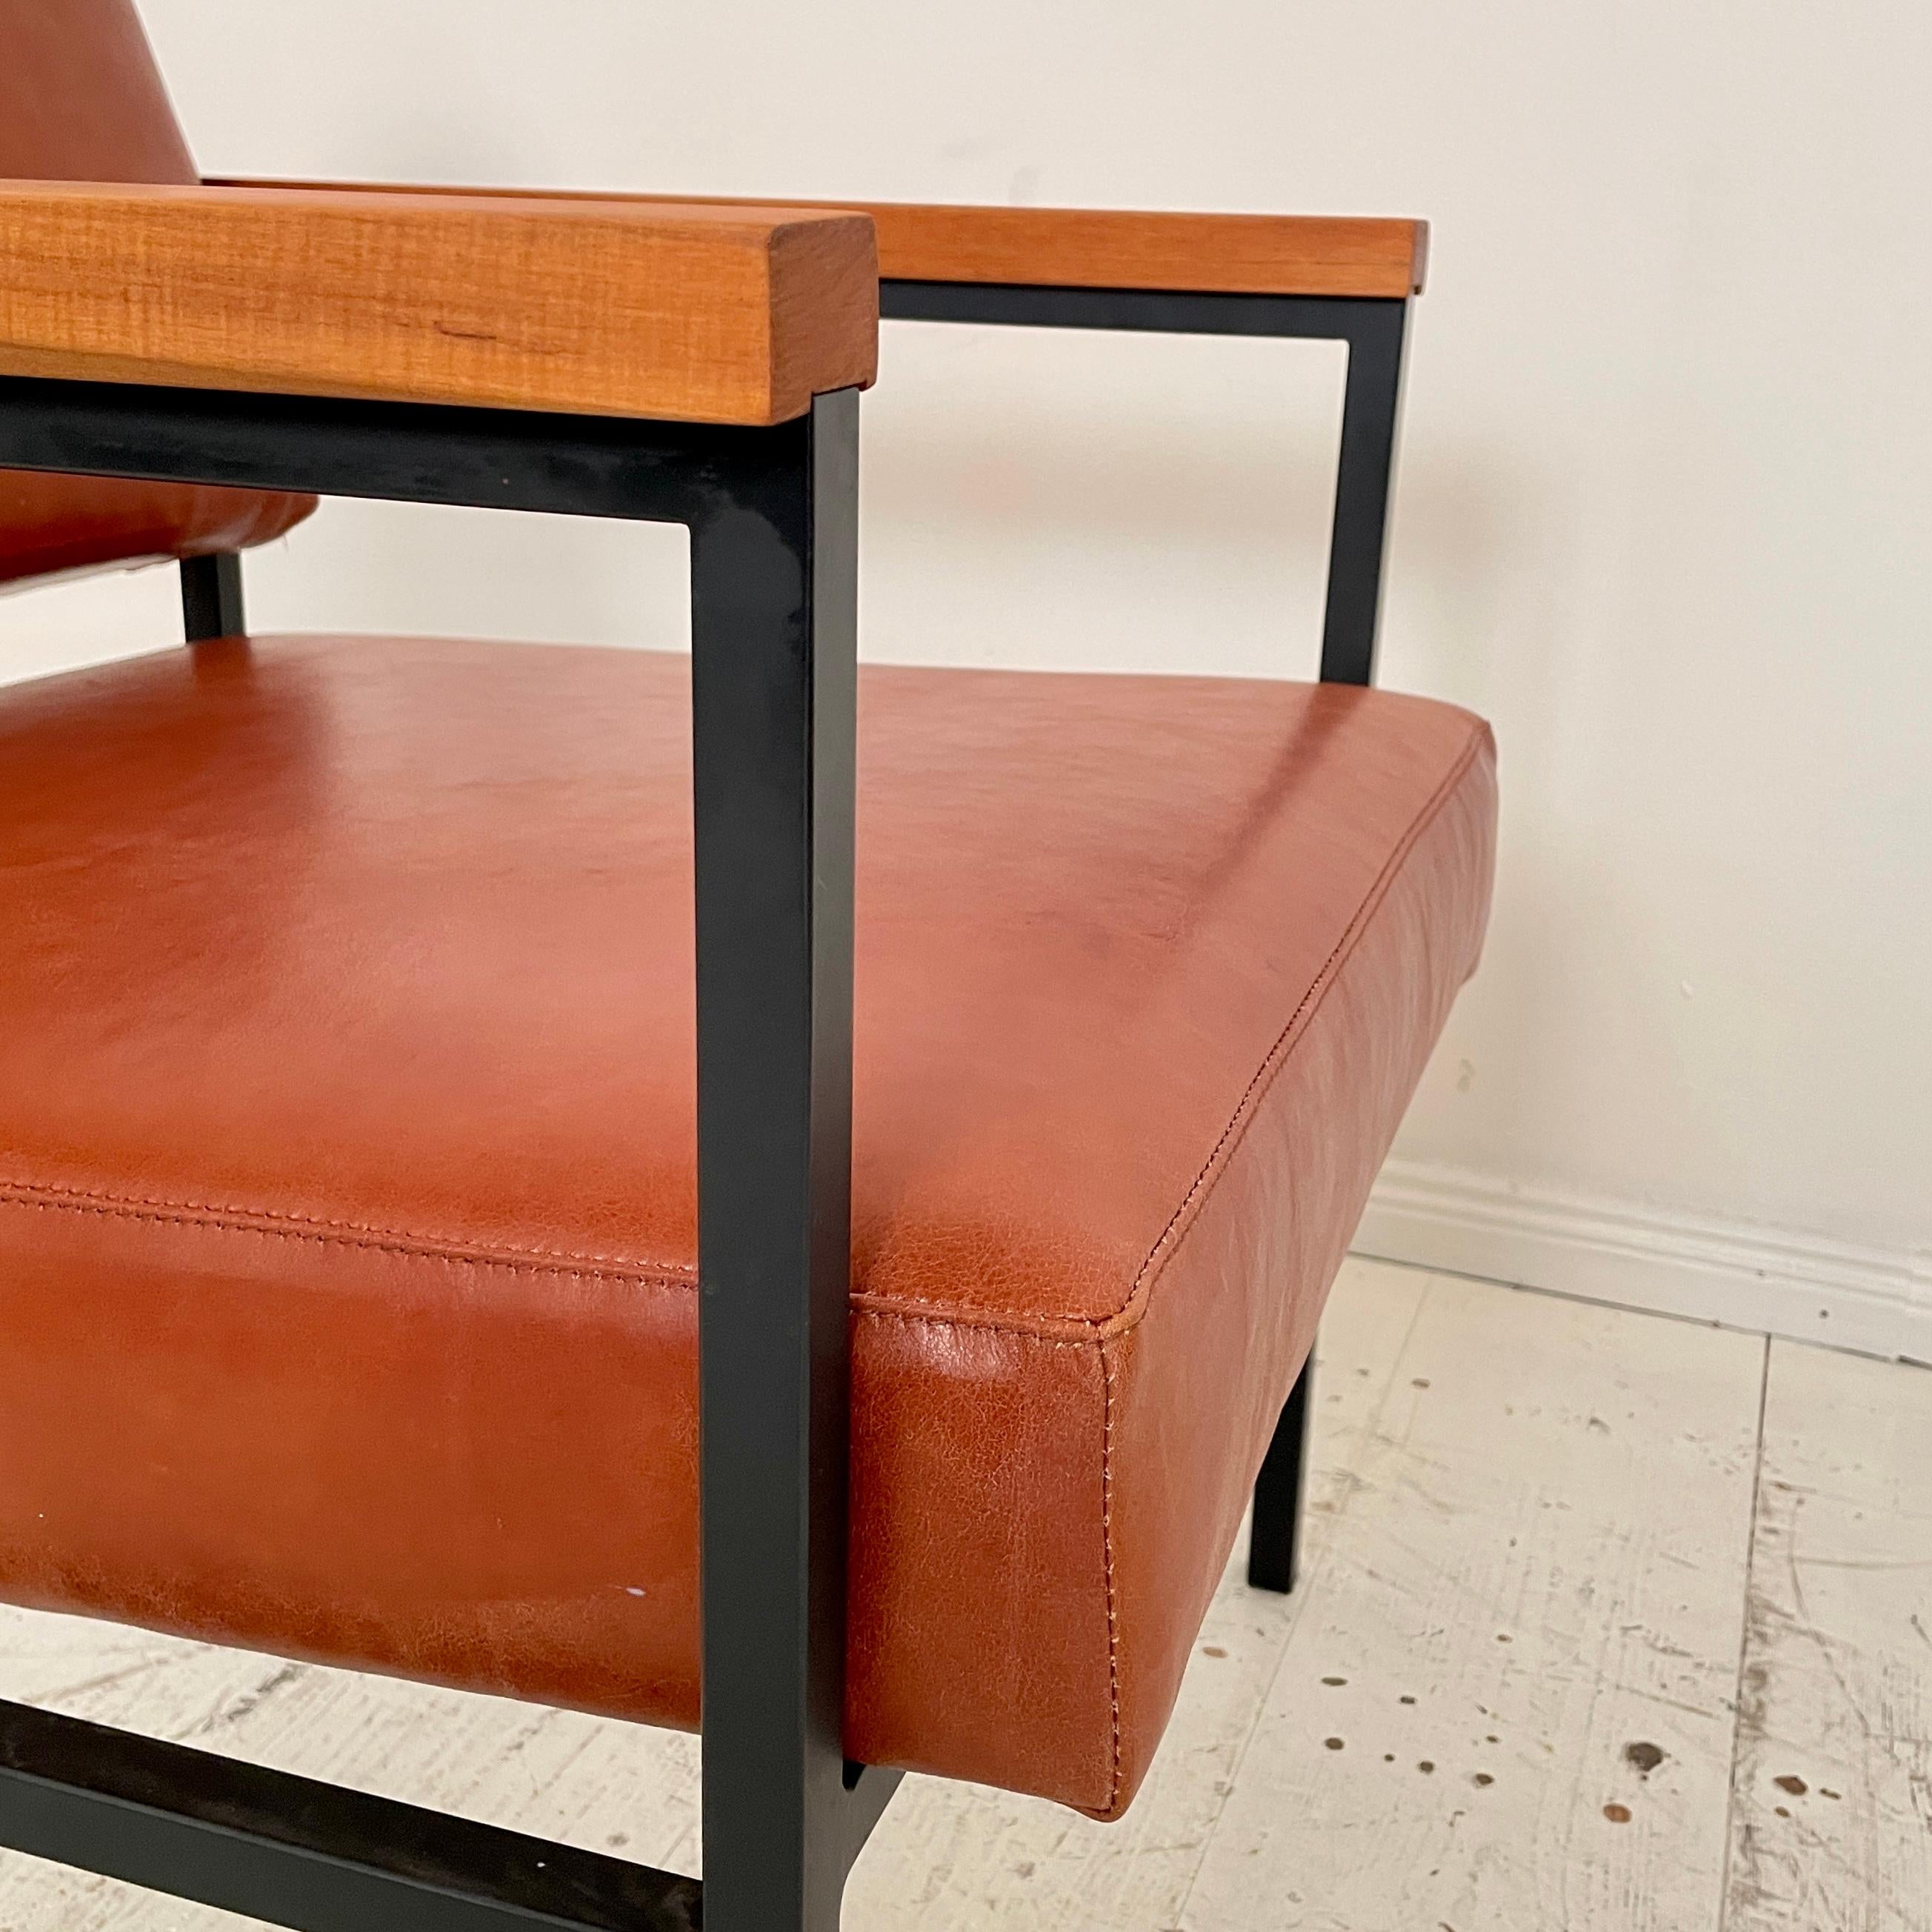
1663	514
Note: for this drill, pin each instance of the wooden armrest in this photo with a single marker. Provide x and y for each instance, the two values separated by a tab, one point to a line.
1236	254
707	313
1111	248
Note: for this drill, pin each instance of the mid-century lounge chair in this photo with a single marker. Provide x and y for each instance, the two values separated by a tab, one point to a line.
431	1073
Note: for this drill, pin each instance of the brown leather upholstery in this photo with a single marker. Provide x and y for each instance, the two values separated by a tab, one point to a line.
346	1236
80	99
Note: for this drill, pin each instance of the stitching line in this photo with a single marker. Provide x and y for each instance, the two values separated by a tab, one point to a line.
451	1243
18	1196
70	1201
1107	1559
979	1327
1099	1346
1294	1032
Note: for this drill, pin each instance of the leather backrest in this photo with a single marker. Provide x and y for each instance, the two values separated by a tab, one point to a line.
82	100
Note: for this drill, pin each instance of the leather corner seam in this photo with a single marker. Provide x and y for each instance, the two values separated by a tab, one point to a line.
968	1314
1290	1036
1107	1563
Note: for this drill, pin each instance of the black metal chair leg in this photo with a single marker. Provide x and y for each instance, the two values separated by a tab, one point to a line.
211	597
1274	1541
774	563
773	517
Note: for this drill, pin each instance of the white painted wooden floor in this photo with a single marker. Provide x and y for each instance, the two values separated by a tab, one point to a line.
1609	1624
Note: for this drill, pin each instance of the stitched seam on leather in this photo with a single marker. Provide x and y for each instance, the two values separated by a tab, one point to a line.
978	1327
1098	1344
967	1314
23	1194
452	1244
1292	1034
1107	1560
19	1196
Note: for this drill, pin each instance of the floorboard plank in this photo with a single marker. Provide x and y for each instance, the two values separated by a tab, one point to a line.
1508	1702
1831	1824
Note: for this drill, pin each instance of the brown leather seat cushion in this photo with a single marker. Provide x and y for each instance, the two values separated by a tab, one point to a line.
346	1092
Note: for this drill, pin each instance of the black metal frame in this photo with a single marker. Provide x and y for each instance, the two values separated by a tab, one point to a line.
211	597
1375	330
1274	1532
772	515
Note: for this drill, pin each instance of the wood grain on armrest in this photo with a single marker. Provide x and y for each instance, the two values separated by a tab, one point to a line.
1235	254
1242	254
698	313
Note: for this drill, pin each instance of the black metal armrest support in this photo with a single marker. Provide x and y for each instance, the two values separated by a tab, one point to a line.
1374	328
773	513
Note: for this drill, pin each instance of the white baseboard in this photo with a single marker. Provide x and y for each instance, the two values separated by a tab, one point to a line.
1739	1275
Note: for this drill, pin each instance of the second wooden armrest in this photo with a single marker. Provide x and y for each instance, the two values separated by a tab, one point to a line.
1363	256
705	313
1123	248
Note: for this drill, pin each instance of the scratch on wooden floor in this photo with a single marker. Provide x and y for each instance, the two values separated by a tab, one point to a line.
251	1701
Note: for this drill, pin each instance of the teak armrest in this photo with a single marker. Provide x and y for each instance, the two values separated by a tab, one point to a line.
713	313
1116	248
1112	248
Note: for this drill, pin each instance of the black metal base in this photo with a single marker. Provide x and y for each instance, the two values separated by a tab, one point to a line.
314	1857
1274	1535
